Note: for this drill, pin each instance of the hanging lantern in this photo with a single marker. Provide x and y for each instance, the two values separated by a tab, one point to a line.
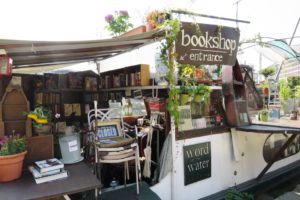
5	65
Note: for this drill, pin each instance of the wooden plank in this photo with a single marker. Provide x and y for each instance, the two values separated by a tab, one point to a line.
14	112
39	148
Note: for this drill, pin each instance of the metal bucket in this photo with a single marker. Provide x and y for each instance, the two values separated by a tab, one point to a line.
70	148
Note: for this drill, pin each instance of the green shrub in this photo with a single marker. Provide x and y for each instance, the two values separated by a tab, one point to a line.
268	71
234	194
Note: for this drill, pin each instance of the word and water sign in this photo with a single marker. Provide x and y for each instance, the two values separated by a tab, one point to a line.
204	44
197	162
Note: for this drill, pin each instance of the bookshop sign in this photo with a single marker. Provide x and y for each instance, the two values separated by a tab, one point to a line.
204	44
197	162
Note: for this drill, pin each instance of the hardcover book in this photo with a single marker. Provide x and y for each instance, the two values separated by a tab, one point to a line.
48	165
36	174
61	175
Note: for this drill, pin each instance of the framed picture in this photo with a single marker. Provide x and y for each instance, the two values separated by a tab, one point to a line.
108	129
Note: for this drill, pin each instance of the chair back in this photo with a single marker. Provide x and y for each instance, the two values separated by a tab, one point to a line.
106	123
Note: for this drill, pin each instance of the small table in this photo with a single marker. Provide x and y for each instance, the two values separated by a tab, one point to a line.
80	179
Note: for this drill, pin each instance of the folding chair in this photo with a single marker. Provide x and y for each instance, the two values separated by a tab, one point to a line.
111	143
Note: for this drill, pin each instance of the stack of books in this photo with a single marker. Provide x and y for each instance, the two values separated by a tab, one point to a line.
48	170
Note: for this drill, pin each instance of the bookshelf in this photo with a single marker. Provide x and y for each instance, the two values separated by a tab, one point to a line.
71	96
137	75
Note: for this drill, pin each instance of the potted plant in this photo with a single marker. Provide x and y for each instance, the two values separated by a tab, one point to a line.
118	23
297	93
263	115
268	71
156	18
201	93
12	153
264	88
296	97
284	94
41	118
185	93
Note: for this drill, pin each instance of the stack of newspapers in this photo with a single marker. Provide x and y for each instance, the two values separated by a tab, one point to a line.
48	170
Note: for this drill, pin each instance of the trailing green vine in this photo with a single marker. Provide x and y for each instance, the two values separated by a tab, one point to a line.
167	48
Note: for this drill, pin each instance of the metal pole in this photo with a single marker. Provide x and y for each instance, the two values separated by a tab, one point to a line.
279	70
209	16
294	32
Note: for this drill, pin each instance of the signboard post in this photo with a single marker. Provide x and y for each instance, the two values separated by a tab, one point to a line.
197	162
204	44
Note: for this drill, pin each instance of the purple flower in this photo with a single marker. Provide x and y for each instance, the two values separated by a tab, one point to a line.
108	18
123	12
2	142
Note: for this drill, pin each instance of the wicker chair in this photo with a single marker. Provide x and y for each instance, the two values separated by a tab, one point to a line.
111	143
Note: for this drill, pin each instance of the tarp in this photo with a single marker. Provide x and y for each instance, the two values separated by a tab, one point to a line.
39	53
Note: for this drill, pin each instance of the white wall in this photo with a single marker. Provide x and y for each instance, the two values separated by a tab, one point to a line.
223	165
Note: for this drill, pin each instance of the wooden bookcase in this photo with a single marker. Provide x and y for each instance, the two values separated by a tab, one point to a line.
72	93
137	75
12	107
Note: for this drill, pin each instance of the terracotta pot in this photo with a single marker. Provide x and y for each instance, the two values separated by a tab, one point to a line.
294	115
149	27
135	31
11	166
265	91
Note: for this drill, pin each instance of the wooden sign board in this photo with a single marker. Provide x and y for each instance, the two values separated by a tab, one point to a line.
204	44
197	162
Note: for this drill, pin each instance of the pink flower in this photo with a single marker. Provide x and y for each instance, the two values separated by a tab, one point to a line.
123	12
108	18
3	140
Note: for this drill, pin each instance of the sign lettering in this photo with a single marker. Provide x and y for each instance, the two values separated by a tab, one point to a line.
197	162
206	44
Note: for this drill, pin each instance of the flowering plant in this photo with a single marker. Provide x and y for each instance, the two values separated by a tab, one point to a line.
10	145
118	23
40	116
155	18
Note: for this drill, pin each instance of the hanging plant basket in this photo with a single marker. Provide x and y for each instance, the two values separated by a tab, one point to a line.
198	98
184	99
11	166
45	129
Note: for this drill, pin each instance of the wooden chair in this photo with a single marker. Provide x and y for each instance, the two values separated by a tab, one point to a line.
111	143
